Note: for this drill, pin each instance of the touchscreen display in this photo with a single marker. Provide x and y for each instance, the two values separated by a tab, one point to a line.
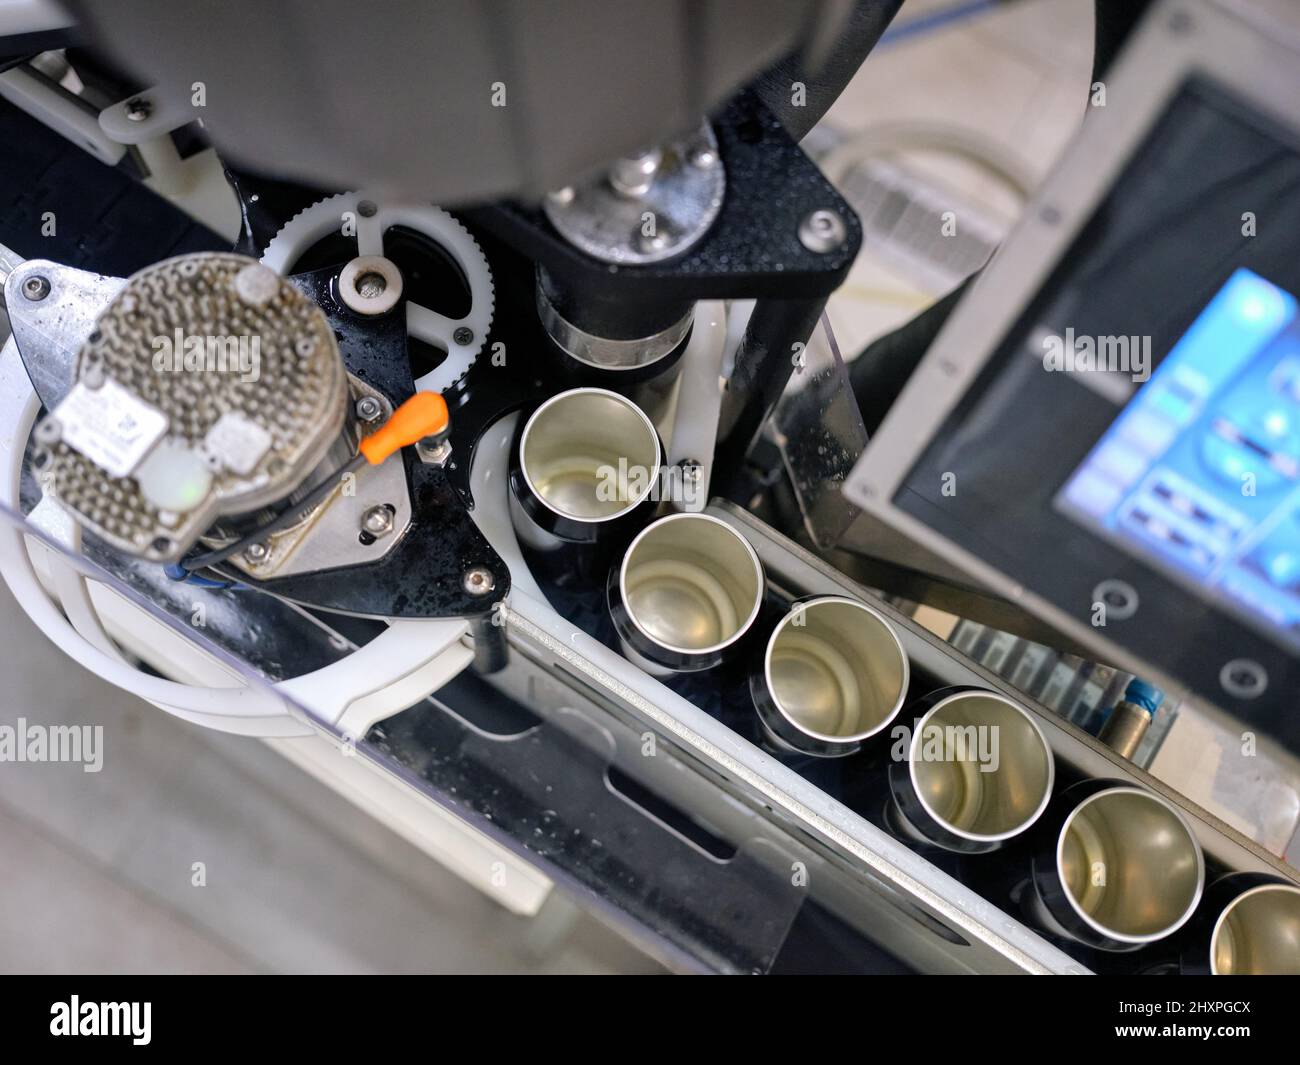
1200	473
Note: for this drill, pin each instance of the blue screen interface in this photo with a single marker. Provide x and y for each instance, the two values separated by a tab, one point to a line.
1200	473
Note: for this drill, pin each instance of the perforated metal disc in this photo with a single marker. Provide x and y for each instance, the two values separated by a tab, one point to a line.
209	386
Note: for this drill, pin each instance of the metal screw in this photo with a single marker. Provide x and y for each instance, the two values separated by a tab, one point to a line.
36	287
822	231
703	157
138	110
367	209
651	242
369	408
377	521
478	581
463	336
49	431
433	454
256	554
634	174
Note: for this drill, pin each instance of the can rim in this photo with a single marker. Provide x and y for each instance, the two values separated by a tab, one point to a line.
1110	933
904	680
982	837
759	577
566	515
1223	913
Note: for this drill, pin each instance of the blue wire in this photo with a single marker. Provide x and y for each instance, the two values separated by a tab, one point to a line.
935	21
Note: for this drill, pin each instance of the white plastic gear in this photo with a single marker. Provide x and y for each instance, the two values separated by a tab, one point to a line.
327	217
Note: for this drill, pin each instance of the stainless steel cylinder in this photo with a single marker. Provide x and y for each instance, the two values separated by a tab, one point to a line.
687	591
833	675
644	366
978	772
583	475
1120	867
1258	933
1249	925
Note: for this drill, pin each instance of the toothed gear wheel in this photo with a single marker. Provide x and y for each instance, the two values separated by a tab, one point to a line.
372	218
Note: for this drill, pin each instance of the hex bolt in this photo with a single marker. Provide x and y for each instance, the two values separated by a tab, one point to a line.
822	231
464	335
478	581
36	287
256	554
138	109
369	408
634	174
377	521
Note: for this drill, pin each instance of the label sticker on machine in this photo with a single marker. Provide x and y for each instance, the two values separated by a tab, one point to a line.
110	426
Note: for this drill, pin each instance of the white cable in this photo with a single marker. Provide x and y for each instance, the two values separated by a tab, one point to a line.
379	678
18	572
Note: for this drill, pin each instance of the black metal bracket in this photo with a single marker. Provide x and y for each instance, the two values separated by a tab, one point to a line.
752	251
423	575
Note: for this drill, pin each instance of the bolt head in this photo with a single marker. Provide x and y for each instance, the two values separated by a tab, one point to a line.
703	157
651	242
434	453
377	521
823	231
634	174
256	553
478	581
464	335
369	408
138	110
36	287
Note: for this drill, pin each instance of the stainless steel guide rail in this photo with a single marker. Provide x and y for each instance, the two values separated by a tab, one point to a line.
769	819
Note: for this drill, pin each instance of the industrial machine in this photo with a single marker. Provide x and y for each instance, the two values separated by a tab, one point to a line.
485	448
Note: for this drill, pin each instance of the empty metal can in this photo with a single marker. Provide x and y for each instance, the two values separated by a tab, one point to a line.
687	591
583	475
834	674
978	771
1118	867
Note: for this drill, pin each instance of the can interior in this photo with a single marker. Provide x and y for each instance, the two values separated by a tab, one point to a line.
591	455
980	766
1259	934
836	670
1130	864
691	583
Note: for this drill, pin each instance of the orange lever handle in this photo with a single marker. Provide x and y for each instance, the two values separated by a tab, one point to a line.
424	414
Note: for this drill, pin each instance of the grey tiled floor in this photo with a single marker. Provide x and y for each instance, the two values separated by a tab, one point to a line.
97	866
